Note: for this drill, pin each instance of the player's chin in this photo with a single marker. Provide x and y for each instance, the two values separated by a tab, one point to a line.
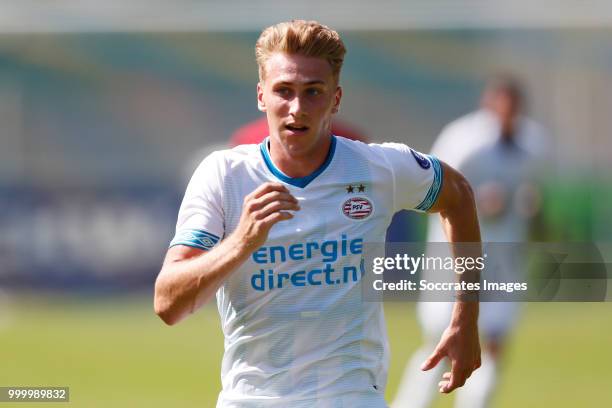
297	142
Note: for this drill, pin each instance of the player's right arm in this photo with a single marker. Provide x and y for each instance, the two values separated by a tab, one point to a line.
190	276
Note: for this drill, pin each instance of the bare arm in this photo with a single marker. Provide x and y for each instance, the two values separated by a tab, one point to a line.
460	340
189	276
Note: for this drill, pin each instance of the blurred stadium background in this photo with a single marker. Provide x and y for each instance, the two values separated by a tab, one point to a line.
106	108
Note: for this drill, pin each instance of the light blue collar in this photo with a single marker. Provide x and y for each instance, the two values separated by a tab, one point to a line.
296	181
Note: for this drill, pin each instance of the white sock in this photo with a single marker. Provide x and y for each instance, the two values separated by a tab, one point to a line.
418	388
477	391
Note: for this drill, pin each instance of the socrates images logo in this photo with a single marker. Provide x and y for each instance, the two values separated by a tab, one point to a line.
357	208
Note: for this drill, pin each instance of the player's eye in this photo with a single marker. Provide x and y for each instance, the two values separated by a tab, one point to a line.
313	91
284	92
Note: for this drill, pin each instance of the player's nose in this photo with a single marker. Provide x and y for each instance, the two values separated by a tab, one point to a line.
296	107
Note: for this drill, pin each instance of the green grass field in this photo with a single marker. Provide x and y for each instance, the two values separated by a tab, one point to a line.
116	353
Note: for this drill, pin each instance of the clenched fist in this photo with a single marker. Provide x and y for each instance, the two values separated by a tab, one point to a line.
261	209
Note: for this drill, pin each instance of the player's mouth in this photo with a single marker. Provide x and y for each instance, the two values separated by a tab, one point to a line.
296	128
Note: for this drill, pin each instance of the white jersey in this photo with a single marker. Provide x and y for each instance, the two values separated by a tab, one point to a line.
297	332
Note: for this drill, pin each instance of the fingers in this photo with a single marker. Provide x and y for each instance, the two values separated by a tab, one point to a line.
443	384
433	359
266	194
265	206
454	379
270	197
277	217
266	188
276	206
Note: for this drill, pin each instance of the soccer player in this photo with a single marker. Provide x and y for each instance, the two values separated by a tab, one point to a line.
499	150
277	231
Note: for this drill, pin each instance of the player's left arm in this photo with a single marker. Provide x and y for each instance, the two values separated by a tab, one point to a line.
459	342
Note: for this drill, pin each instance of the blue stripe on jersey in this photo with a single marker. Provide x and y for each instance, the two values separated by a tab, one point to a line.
296	181
195	238
436	185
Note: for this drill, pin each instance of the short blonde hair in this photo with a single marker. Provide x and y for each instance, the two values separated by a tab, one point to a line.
307	38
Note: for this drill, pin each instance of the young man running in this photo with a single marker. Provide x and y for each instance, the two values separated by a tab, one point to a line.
277	232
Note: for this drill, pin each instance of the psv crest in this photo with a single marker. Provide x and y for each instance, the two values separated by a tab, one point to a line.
357	208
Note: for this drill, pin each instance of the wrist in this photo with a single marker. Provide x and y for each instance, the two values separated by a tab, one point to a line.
239	246
465	314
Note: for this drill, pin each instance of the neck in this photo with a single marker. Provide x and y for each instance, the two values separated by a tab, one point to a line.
302	164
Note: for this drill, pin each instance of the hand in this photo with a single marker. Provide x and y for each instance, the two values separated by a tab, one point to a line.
461	346
261	209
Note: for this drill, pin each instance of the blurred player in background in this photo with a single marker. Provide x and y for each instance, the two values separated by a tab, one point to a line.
276	230
498	150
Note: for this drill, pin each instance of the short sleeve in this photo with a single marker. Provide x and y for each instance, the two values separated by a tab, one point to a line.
417	177
200	220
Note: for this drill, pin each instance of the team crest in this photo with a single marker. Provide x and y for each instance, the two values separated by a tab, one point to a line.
357	208
421	160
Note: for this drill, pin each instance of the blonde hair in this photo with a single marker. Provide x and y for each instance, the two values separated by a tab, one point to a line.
307	38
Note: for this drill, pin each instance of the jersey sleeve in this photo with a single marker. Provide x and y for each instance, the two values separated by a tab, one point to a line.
417	177
200	220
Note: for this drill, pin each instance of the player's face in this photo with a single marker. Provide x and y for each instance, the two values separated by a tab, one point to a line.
299	95
505	106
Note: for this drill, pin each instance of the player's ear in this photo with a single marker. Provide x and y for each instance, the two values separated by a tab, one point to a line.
261	105
337	98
